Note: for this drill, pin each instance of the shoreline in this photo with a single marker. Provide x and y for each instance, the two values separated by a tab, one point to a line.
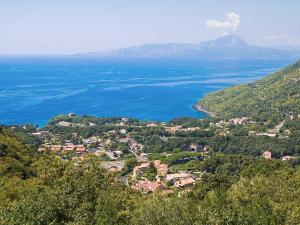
199	108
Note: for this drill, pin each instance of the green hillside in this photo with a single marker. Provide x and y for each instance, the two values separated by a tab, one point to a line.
15	157
269	99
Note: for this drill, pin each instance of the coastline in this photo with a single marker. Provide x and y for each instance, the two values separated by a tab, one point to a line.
199	108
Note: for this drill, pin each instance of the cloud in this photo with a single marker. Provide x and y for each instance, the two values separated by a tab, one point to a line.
274	37
230	25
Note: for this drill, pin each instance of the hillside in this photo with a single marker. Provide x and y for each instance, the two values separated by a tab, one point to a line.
227	47
271	98
15	157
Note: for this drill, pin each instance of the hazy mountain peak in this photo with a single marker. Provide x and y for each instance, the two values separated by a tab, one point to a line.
228	41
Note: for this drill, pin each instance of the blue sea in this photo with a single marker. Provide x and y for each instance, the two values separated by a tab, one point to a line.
34	89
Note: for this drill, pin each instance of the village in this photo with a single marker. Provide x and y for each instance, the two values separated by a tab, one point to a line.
117	144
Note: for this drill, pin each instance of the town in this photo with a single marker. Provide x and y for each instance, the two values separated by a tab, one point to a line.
149	156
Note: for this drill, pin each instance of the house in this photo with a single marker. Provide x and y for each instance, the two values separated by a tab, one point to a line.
123	131
64	124
124	140
177	176
72	114
154	186
161	168
113	165
99	153
172	130
121	124
194	147
267	155
80	149
187	182
266	134
108	142
206	149
152	125
117	153
144	156
86	141
37	134
114	154
139	170
147	186
55	148
94	139
41	149
239	121
287	157
156	163
69	147
135	146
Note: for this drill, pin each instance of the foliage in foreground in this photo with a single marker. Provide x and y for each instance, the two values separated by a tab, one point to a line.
235	190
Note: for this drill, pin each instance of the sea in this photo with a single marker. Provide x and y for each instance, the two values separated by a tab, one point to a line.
35	89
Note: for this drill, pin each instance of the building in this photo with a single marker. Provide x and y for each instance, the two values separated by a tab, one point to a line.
139	170
177	176
151	125
184	183
161	168
239	121
172	130
80	149
267	155
113	165
117	153
108	142
194	147
37	134
135	146
69	147
144	156
64	124
123	131
55	148
156	163
124	140
286	158
41	149
147	186
154	186
100	153
72	114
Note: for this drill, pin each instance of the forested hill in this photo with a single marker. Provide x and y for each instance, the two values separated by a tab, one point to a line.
15	157
272	98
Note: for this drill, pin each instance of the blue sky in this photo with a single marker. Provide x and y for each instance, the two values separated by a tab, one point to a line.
71	26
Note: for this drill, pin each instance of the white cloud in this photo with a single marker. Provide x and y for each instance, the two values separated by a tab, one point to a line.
274	37
231	23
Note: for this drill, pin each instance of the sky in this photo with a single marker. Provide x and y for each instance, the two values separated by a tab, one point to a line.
76	26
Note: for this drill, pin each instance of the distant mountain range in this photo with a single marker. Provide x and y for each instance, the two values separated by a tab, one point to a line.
227	47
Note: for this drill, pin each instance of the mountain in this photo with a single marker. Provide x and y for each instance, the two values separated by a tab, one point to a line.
272	98
227	47
230	41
